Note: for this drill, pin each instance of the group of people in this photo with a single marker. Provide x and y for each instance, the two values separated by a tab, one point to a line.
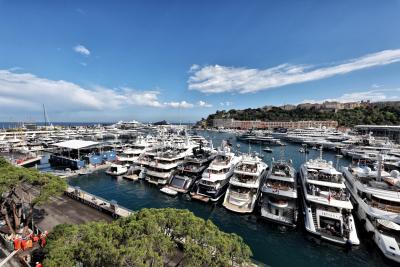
29	241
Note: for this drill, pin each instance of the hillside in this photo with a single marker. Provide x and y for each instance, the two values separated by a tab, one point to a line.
380	113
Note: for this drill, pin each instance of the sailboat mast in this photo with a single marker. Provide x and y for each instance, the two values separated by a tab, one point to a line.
44	116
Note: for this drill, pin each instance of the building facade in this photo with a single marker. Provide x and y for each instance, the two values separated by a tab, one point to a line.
234	124
389	131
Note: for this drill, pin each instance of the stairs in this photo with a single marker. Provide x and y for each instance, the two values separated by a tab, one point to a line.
314	216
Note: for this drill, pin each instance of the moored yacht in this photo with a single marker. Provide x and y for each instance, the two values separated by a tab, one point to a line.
161	163
131	154
116	170
279	194
244	186
376	197
215	178
191	169
326	203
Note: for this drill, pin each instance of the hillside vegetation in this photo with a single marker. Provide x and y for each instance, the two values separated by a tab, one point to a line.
377	113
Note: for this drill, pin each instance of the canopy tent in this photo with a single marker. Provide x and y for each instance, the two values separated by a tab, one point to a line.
75	144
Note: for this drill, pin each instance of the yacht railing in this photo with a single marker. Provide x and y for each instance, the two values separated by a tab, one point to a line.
244	196
385	207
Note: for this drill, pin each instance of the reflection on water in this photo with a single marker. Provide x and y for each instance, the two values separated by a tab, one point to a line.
270	243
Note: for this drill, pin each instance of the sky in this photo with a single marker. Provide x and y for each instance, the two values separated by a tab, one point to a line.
106	61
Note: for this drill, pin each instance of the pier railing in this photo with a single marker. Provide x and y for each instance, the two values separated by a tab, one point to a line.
101	204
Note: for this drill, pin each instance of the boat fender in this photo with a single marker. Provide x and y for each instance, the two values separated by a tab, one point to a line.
349	244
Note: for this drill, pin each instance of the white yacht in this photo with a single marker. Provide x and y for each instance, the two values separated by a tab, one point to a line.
376	196
162	165
215	178
191	170
116	170
244	186
279	194
326	203
131	154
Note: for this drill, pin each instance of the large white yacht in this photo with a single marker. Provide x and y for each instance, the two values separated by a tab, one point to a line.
160	163
191	169
131	154
376	196
326	203
244	186
279	194
215	178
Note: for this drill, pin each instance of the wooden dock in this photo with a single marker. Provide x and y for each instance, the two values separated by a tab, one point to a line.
105	206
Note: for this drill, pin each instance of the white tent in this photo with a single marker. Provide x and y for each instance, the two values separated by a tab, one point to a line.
75	144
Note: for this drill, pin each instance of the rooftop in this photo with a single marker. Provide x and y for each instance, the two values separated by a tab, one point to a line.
76	144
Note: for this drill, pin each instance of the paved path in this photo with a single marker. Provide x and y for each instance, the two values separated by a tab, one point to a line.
64	209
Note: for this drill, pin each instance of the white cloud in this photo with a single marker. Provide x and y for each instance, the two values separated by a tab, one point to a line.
227	103
194	67
28	92
219	79
80	11
83	64
182	104
82	50
371	95
204	104
15	68
376	85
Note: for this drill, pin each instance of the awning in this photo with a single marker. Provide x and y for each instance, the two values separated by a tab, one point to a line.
389	224
75	144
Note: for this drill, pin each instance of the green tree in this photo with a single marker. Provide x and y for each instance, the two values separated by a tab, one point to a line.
150	237
22	189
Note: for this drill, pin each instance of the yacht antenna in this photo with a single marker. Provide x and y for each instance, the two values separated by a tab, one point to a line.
338	157
380	163
44	116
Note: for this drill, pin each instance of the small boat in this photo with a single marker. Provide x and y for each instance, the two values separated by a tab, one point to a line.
268	149
168	191
116	170
83	172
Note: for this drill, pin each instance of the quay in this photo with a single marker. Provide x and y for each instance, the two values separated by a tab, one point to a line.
98	203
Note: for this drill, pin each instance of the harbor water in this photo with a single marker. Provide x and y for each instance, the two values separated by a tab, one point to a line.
271	244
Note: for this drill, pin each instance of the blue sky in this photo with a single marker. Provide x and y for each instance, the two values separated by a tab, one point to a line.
182	60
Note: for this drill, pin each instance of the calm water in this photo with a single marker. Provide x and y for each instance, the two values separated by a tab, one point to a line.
271	244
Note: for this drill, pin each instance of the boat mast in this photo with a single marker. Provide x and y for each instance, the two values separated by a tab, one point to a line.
44	116
379	174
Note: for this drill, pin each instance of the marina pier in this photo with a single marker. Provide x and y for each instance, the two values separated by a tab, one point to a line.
108	207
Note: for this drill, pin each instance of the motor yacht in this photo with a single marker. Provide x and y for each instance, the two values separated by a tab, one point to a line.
244	186
279	194
376	197
326	203
215	179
